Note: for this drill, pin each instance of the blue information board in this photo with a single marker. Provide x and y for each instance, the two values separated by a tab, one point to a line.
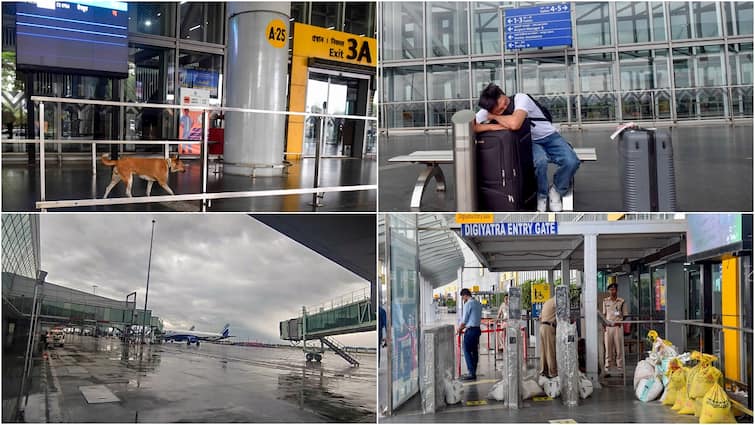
537	308
509	229
538	26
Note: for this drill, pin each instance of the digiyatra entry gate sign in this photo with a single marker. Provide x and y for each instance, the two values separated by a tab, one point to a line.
509	229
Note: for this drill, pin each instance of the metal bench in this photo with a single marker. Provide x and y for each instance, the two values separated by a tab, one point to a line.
433	160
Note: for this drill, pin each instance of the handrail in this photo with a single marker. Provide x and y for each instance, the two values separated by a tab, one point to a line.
710	325
198	196
203	196
193	107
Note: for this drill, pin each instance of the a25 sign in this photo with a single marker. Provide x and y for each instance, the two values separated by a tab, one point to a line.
276	33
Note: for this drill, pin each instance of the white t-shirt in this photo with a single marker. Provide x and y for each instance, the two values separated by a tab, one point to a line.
541	129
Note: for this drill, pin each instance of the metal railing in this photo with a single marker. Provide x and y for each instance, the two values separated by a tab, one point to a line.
345	299
204	196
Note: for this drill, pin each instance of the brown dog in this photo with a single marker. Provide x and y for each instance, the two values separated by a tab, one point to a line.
150	169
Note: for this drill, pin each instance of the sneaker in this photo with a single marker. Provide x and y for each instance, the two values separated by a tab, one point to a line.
555	200
542	204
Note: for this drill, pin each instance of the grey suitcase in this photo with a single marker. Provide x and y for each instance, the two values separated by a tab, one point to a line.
647	170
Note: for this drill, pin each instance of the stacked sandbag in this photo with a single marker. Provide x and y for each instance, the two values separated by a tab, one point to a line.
676	383
498	392
704	380
716	407
454	390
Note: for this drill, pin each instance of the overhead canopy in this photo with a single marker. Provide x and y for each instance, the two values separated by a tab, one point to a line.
617	243
440	255
346	239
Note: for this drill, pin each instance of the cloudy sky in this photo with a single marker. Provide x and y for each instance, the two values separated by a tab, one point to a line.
207	270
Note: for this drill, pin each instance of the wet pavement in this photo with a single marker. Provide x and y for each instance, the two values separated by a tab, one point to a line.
210	383
73	180
713	167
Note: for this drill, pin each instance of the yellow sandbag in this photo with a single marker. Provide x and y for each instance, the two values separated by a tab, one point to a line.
688	406
716	407
675	384
703	381
681	394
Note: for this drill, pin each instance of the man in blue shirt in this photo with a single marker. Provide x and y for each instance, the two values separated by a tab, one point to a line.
470	326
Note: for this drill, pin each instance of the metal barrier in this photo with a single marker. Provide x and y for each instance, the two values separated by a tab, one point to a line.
464	160
44	204
498	328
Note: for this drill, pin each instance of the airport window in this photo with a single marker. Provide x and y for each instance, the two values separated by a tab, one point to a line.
486	38
681	29
593	24
325	14
596	78
484	73
632	22
405	84
202	21
201	71
357	20
441	112
545	75
402	33
644	85
738	17
740	65
299	11
701	68
151	80
448	81
706	19
659	21
447	29
152	18
405	115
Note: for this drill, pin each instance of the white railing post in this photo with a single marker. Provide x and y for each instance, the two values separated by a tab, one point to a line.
205	135
42	151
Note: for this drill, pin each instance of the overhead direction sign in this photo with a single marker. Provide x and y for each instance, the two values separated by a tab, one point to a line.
538	26
509	229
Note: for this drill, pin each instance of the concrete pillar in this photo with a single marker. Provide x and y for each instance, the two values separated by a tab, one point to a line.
590	288
675	310
257	77
565	272
551	279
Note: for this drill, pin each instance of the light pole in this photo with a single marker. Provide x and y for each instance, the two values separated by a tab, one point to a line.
94	289
146	294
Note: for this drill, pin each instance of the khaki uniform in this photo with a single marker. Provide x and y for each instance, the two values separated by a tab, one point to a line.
614	310
548	339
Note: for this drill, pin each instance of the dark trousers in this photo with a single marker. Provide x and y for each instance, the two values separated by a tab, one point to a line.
472	348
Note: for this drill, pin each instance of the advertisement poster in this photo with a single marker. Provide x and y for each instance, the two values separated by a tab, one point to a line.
660	294
190	121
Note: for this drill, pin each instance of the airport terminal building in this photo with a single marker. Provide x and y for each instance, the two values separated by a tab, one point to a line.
660	62
179	51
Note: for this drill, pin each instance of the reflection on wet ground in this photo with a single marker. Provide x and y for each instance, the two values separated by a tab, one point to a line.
210	383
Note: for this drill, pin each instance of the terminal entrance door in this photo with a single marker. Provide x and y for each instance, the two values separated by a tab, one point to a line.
336	93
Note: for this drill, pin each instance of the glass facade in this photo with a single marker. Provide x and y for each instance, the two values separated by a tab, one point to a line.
20	236
172	45
654	61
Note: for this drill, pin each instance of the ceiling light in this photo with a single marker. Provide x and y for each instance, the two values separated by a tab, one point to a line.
195	27
148	23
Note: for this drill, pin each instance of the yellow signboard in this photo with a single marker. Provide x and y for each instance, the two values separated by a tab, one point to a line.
541	292
467	218
276	34
316	42
476	288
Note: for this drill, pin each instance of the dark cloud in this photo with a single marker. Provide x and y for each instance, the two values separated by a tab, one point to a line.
207	270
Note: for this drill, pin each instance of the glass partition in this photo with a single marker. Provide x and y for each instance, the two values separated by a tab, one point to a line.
404	305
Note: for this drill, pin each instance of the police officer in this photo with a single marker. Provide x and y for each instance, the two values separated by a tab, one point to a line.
547	329
614	310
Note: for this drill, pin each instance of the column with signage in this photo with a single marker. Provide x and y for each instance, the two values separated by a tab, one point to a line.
257	73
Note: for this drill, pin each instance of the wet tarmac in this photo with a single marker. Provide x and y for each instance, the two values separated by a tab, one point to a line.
210	383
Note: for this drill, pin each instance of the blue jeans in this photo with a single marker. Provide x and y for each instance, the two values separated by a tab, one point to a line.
555	149
472	348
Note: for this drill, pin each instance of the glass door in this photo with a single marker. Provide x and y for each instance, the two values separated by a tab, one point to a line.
334	95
